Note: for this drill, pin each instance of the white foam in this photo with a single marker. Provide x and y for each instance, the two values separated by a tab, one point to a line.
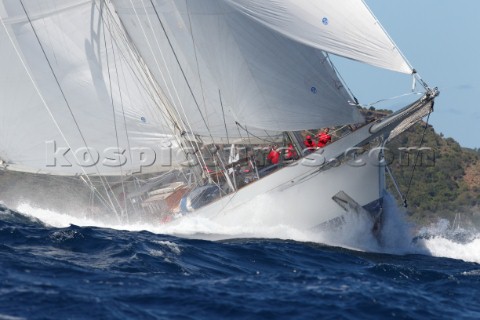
52	218
175	248
396	236
442	247
352	235
443	240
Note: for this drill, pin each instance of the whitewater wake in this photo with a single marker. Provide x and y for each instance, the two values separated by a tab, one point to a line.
444	240
397	236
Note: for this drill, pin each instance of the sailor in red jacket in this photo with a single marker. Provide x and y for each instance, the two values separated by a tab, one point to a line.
290	153
309	143
324	138
274	155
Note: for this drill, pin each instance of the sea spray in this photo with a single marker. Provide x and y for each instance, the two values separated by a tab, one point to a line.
445	240
396	237
354	233
397	232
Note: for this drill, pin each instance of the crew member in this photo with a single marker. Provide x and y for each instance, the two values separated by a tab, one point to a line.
274	155
290	153
309	143
324	138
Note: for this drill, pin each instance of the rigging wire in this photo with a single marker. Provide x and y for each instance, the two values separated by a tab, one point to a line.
118	37
417	156
199	156
113	108
223	113
181	68
251	134
393	98
200	159
111	27
154	91
234	189
119	33
196	62
335	70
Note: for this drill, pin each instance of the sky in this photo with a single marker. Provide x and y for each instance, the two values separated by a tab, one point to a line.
440	39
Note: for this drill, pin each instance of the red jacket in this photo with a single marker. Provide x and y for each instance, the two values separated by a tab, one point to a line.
290	153
273	156
309	143
323	139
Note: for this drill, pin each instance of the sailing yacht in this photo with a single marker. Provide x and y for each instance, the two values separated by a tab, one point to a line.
139	98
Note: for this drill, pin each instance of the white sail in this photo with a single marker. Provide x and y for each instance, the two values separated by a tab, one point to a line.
68	85
210	57
343	27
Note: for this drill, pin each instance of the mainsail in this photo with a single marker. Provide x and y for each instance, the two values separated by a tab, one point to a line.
238	71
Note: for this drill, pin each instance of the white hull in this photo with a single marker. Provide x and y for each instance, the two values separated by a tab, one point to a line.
301	203
302	194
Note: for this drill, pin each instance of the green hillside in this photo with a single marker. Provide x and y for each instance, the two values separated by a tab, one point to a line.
445	181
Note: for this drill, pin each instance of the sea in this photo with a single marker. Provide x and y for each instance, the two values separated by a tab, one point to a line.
55	265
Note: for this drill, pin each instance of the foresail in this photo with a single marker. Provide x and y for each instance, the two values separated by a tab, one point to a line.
343	27
71	101
231	75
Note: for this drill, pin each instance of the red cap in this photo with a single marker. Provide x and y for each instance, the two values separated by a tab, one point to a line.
309	137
